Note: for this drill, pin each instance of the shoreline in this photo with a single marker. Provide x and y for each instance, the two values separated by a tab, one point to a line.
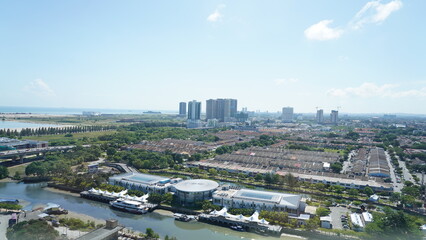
55	190
8	180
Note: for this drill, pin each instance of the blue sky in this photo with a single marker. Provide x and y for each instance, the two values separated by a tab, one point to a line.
364	56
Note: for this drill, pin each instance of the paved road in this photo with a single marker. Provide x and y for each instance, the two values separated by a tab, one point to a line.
396	186
4	221
405	173
348	164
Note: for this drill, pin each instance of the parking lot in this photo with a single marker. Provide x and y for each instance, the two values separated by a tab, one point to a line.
336	213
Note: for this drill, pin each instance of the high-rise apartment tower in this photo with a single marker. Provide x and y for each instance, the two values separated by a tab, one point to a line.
287	115
182	108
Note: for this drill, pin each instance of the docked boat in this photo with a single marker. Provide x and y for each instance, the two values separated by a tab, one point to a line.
237	228
183	217
129	206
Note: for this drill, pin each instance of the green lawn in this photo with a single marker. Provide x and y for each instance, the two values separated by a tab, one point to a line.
18	168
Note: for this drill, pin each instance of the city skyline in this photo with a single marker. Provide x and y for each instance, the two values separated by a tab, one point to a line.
364	56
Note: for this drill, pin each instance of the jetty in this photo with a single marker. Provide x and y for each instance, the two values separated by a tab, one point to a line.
251	224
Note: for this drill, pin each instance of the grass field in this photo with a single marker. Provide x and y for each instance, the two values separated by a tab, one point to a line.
75	136
19	168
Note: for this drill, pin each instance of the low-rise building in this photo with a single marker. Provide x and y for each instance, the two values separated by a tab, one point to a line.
13	144
326	222
195	190
144	182
260	200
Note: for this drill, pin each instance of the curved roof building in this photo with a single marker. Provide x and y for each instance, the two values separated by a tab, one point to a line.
195	190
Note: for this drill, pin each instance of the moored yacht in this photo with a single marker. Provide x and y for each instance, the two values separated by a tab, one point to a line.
129	206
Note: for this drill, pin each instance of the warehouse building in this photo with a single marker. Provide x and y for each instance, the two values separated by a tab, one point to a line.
378	165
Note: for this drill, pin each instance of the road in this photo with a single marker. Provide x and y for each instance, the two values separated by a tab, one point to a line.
396	186
4	221
347	164
405	173
28	151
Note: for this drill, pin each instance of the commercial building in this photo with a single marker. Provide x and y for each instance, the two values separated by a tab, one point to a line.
225	110
182	108
320	116
144	182
334	116
287	114
259	200
195	190
13	144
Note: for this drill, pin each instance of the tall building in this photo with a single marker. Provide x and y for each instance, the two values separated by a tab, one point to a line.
194	115
182	108
334	116
320	116
287	115
225	110
211	109
194	110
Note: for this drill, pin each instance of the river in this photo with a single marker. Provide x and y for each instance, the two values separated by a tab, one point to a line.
163	225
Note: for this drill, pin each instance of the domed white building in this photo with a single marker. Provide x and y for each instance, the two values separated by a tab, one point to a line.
195	190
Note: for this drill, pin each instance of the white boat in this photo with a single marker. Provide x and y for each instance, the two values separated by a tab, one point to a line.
129	206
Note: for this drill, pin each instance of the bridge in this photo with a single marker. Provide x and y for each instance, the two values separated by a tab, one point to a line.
21	153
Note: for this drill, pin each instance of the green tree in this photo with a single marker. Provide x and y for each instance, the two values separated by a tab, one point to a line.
212	171
394	225
110	151
151	234
395	197
321	211
33	229
368	191
336	167
290	180
168	198
4	172
312	223
155	198
353	192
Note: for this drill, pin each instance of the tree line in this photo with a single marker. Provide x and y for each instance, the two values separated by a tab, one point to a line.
53	130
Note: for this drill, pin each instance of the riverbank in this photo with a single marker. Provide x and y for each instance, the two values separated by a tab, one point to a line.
8	180
55	190
82	217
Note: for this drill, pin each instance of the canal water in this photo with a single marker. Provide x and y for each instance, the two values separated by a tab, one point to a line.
16	125
163	225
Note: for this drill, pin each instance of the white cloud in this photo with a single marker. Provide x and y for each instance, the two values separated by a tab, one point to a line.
375	12
216	15
40	88
321	31
367	90
285	81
